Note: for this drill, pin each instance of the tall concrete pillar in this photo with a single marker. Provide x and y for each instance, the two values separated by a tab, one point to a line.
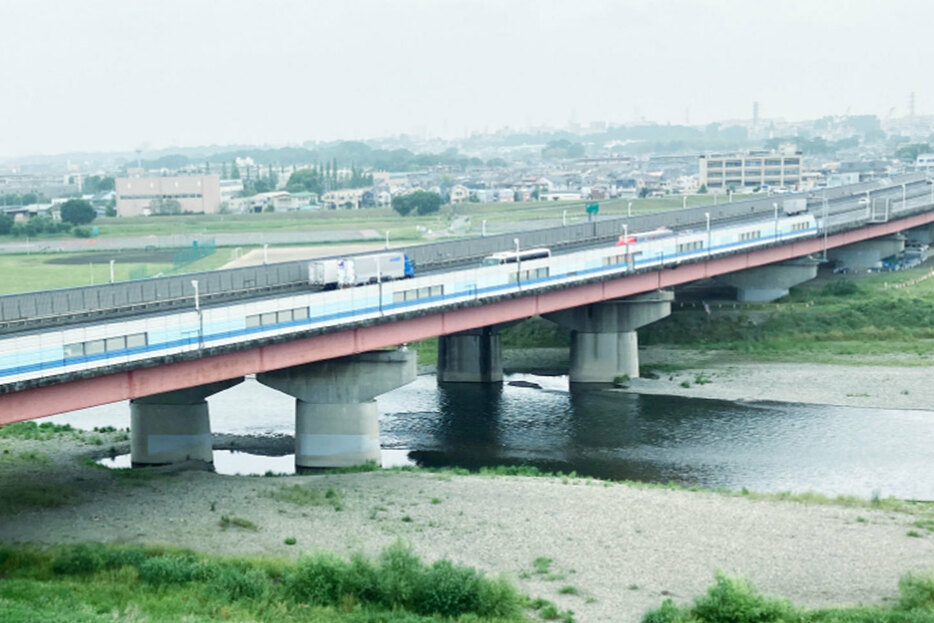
866	254
174	426
336	420
474	356
770	282
604	344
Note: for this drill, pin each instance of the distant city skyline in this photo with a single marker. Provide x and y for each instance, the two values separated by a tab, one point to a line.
106	75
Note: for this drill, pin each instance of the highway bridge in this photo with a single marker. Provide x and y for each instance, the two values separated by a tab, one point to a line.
168	343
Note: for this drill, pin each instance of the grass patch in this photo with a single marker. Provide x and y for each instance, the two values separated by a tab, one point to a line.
303	495
735	600
92	582
542	565
37	432
838	322
16	496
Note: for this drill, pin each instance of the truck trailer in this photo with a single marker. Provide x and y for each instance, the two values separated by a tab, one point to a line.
359	270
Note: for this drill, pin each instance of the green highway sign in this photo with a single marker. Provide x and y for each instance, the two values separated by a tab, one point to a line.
593	208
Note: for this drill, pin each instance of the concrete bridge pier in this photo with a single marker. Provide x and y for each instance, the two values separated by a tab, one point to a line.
474	356
336	420
173	426
770	282
604	344
864	255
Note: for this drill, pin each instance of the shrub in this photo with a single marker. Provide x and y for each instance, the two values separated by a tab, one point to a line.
668	612
164	570
400	569
82	232
916	590
235	583
447	590
498	598
734	600
317	579
79	560
843	287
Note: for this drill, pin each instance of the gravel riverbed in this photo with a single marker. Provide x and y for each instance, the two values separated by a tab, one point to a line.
624	548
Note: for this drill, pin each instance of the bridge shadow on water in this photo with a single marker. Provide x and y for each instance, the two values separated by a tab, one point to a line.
587	430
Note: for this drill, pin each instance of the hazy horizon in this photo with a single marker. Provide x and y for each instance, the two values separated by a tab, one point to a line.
105	76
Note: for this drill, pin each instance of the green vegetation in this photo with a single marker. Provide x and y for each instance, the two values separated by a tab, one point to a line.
420	202
23	495
301	495
735	600
31	272
91	582
832	323
77	212
40	432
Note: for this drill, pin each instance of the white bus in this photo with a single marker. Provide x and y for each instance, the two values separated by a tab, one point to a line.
511	257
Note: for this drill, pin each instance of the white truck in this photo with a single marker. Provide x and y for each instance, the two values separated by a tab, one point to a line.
355	271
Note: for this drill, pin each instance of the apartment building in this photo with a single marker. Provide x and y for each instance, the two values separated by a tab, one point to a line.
755	169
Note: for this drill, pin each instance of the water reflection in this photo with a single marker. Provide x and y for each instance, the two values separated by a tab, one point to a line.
611	434
238	463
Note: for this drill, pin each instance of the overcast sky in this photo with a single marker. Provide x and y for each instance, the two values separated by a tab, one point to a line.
116	74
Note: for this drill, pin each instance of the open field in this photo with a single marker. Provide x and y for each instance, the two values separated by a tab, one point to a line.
380	219
46	271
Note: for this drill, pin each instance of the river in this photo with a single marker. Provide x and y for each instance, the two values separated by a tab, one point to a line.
765	447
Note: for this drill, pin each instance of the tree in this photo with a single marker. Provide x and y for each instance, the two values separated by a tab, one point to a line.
97	184
77	212
401	204
6	224
234	171
911	151
562	148
702	190
421	202
29	198
304	180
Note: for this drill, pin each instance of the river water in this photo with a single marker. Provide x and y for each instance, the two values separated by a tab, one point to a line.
766	447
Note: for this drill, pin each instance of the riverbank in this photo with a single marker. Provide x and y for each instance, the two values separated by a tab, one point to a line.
622	549
882	382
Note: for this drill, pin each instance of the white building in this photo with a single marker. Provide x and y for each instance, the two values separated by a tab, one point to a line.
755	169
145	195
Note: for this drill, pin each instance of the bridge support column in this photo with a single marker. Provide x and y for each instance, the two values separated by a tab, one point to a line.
174	426
604	344
336	420
474	356
866	254
770	282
